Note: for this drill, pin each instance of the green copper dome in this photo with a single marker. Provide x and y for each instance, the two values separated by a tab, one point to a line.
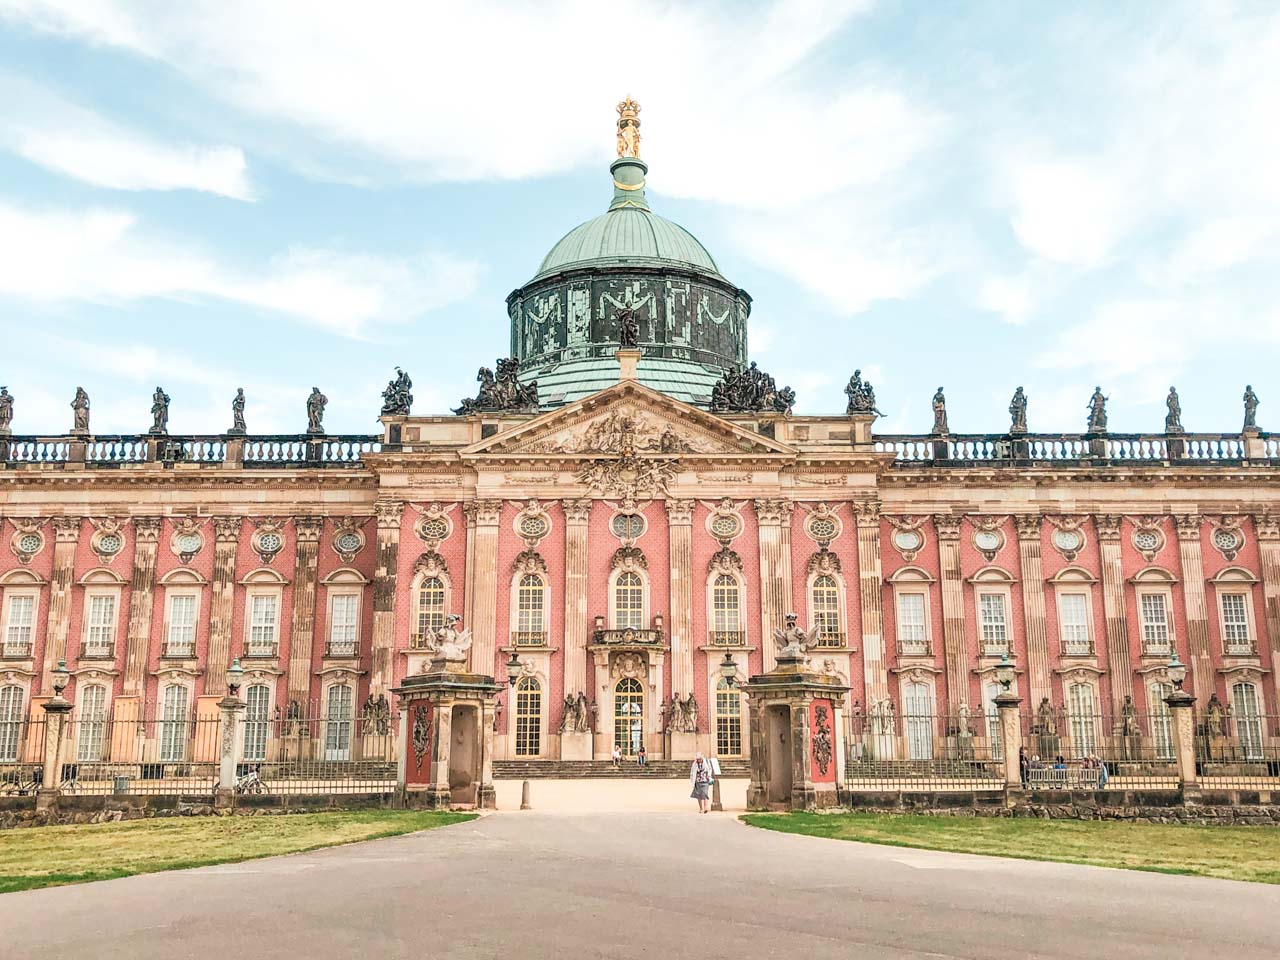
628	232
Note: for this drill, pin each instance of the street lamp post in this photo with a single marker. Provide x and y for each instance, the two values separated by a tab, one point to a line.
57	710
1006	703
1181	716
729	673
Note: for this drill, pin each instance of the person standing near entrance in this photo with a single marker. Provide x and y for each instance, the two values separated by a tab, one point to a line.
700	776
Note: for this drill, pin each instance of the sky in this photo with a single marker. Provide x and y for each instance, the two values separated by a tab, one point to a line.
212	195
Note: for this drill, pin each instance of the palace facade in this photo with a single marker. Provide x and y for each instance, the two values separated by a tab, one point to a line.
623	505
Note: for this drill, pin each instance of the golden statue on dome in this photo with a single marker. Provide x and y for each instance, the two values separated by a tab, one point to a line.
629	128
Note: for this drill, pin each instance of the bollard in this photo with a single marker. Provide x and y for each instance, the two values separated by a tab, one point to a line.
715	795
524	796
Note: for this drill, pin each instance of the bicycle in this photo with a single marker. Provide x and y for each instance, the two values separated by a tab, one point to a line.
251	782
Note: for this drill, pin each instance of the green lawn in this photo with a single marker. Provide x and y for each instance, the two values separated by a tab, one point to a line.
48	856
1233	853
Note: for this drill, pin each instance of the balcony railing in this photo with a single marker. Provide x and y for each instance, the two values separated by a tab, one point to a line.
828	639
649	636
97	651
340	648
529	638
726	638
179	651
1241	649
261	649
14	650
914	648
1077	648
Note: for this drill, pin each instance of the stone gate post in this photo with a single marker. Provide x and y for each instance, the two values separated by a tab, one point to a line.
1010	737
1182	717
231	739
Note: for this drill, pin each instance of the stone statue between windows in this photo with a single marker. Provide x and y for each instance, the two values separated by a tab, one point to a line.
1250	408
1097	412
315	411
159	412
1018	412
80	408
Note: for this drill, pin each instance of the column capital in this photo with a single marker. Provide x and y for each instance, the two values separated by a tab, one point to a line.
1108	526
947	525
227	529
483	512
1028	526
308	529
773	510
866	512
66	529
680	511
388	513
1188	526
146	529
1267	526
577	510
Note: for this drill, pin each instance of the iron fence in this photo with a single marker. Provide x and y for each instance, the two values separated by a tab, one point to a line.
1237	750
1091	751
922	752
165	754
21	756
320	754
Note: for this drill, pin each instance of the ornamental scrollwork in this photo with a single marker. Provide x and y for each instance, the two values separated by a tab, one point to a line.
388	513
268	538
529	562
421	738
822	744
146	529
773	511
431	564
907	537
947	525
725	561
66	529
629	559
227	529
823	561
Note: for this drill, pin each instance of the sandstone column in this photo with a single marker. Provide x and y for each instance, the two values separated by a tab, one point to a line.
484	585
1268	530
1193	594
870	580
1033	607
1113	605
384	595
222	598
953	638
66	537
146	537
774	522
302	634
680	527
577	513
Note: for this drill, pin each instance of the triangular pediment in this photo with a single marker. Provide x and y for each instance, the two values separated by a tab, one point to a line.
628	413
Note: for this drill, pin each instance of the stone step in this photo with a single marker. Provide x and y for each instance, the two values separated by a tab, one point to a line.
589	769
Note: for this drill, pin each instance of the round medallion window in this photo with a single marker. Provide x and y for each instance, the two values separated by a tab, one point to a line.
987	540
110	543
908	539
29	543
433	528
628	526
725	526
1146	540
189	543
534	526
1068	539
1226	539
822	528
270	542
348	542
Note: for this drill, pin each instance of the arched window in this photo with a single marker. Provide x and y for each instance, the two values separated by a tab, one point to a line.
628	715
825	610
917	715
337	723
1161	721
628	602
1081	711
10	722
173	722
431	610
1244	698
728	720
531	594
528	717
92	704
726	610
258	705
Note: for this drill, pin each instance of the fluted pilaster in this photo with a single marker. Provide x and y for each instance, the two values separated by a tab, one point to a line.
146	539
66	537
1033	607
577	515
302	634
1268	531
774	522
387	563
1193	594
1113	604
870	579
953	633
221	603
483	518
680	531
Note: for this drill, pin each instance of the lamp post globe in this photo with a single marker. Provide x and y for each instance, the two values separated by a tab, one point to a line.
514	668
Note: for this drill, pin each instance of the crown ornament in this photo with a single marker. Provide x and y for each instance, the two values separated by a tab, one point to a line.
629	128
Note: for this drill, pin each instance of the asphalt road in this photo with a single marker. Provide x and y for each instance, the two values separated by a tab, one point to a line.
665	885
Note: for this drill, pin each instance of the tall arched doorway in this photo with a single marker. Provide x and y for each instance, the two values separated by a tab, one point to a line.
628	715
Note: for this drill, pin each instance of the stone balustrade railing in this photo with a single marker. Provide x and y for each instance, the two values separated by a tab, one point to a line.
1067	449
101	451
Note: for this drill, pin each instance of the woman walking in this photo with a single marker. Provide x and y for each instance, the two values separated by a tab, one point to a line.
700	776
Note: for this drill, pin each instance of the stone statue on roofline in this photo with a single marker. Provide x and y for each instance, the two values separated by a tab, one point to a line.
237	414
939	413
750	389
80	411
397	398
159	413
315	411
1173	419
862	396
1018	412
6	411
502	391
628	329
1250	408
1097	412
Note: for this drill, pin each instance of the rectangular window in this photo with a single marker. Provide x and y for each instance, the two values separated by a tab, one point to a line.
1235	624
20	626
912	638
1073	624
181	640
173	725
262	625
343	612
1081	716
337	728
1161	721
258	705
11	722
1155	623
1244	698
994	623
93	723
101	637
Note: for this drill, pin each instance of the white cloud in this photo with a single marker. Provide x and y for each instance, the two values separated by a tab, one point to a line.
105	255
1069	211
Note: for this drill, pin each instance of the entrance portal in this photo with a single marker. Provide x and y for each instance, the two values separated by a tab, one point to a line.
778	755
628	715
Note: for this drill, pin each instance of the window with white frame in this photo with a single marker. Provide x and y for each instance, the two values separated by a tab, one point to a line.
431	603
528	717
993	623
917	717
180	640
1235	623
92	706
11	721
726	610
337	725
1244	700
264	623
1082	719
175	702
19	623
344	618
824	596
1073	624
728	719
1161	721
531	597
628	601
257	715
1154	611
100	625
913	638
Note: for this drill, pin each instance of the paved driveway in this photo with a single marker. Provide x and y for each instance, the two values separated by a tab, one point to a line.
661	885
